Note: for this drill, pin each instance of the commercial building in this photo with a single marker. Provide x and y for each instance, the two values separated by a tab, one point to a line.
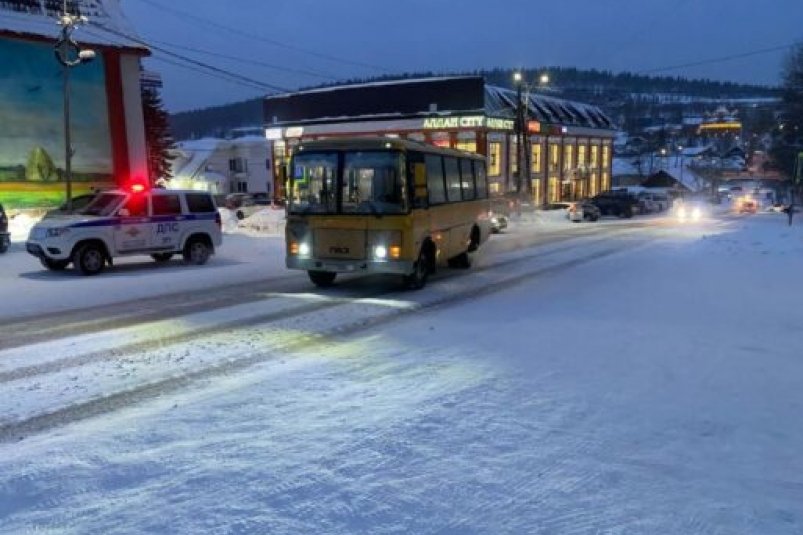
569	144
108	135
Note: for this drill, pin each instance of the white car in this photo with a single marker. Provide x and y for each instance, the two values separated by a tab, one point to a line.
157	222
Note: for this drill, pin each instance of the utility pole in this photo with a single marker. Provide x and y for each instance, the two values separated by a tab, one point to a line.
517	77
69	55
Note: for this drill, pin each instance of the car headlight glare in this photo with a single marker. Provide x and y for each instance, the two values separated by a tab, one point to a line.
380	252
696	214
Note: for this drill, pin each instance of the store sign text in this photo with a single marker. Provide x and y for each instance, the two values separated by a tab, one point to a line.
470	121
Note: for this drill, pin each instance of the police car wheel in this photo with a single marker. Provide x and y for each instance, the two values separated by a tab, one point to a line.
162	257
89	259
196	252
54	265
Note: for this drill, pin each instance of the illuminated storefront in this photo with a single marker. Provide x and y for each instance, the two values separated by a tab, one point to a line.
457	112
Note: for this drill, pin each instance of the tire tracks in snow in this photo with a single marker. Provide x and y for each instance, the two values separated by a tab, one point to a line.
82	410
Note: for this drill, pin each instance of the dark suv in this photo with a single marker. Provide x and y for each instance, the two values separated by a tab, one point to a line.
5	238
621	204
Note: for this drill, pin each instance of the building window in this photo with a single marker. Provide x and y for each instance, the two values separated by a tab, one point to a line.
568	157
581	155
535	184
606	181
238	165
606	157
242	187
494	158
536	158
554	189
554	157
594	156
466	145
594	184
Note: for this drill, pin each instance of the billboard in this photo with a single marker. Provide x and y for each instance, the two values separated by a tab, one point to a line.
32	126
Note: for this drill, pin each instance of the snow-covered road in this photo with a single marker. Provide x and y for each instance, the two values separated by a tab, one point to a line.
639	379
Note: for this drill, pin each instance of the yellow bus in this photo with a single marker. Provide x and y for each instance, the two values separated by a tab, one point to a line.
383	205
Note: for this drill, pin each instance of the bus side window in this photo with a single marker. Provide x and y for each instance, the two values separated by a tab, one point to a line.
467	179
481	179
452	170
435	182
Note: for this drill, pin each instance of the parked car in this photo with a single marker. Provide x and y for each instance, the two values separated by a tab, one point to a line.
620	204
499	213
590	210
242	204
79	202
5	237
573	210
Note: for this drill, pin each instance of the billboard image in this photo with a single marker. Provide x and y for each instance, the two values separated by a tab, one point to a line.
32	126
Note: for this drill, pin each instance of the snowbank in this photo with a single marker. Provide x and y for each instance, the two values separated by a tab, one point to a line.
266	222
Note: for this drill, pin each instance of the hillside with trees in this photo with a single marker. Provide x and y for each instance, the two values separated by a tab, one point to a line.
622	95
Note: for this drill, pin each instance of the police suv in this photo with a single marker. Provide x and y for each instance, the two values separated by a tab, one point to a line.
157	222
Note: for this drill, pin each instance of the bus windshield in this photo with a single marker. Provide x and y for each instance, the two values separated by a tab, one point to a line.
371	183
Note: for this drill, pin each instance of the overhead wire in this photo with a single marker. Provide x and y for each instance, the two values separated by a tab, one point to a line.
184	15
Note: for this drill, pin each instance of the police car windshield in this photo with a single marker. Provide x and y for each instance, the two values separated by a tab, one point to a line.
104	204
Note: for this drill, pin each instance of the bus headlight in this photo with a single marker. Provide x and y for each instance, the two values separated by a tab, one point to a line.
380	252
303	249
696	214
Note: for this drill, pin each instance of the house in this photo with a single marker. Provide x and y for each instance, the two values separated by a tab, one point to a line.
107	128
220	166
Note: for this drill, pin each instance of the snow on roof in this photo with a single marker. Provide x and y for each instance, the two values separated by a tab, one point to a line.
547	109
695	151
107	24
624	167
373	84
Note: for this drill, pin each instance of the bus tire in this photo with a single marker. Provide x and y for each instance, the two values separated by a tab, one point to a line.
418	278
474	243
322	279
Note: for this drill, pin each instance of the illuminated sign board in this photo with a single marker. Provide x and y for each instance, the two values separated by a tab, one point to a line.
468	121
533	127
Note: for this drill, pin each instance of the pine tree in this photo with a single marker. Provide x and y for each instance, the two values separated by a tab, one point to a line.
158	137
788	135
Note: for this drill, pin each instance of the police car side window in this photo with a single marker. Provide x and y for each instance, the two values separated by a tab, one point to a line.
166	205
136	206
200	203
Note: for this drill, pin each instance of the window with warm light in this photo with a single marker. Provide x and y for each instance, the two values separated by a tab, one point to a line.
568	157
594	156
513	155
536	158
554	157
581	155
494	158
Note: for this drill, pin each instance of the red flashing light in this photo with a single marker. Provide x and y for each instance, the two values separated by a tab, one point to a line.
137	188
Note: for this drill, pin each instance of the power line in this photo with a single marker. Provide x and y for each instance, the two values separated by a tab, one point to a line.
314	74
187	59
721	59
183	15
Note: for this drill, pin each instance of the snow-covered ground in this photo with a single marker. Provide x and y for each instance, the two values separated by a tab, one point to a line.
638	380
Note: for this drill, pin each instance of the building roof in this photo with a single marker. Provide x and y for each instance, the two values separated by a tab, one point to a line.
420	98
107	25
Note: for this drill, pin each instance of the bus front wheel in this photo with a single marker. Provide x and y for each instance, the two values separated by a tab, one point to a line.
322	279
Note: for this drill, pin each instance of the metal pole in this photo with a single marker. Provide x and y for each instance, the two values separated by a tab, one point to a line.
518	137
67	137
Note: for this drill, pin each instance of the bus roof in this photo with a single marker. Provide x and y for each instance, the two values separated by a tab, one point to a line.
382	143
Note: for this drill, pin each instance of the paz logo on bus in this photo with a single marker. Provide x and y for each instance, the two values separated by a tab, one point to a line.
339	250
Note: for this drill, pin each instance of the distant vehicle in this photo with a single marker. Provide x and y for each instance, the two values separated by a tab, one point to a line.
573	211
655	202
746	205
616	203
590	210
5	237
689	211
79	202
380	205
157	222
242	204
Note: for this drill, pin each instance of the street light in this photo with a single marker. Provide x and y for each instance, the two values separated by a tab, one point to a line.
544	79
522	160
69	55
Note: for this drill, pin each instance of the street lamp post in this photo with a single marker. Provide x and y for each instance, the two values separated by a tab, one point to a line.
69	55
